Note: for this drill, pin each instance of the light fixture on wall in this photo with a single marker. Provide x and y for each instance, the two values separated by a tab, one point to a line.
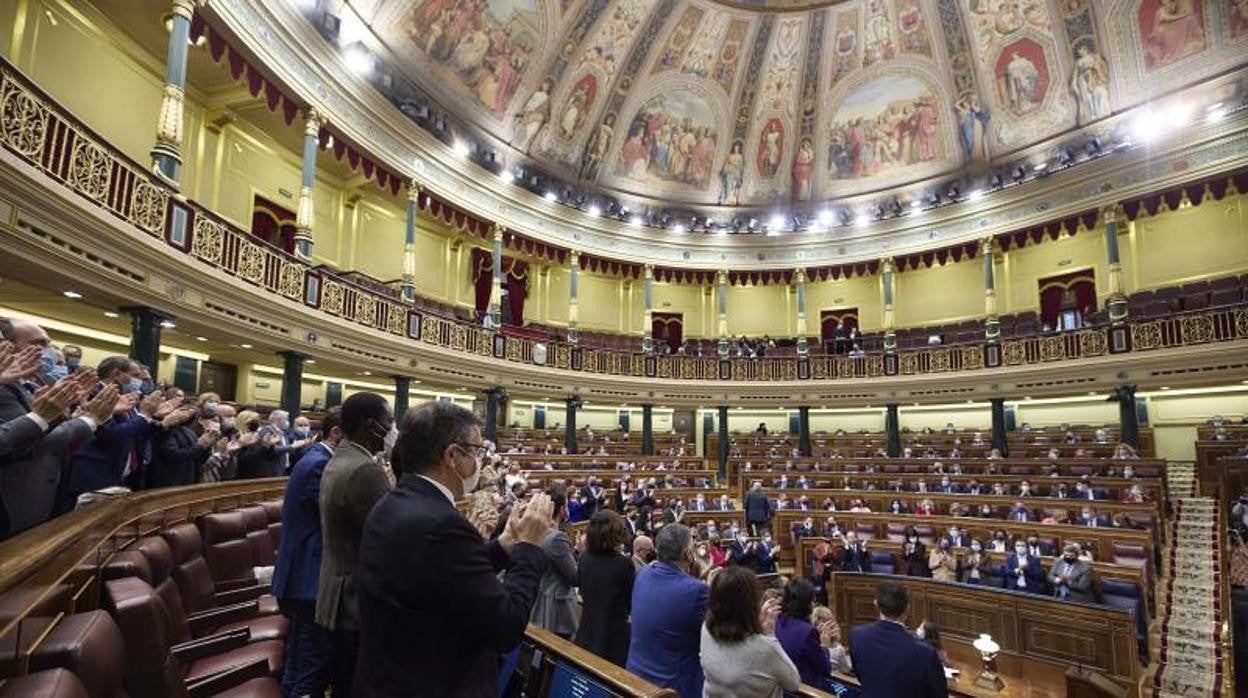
72	295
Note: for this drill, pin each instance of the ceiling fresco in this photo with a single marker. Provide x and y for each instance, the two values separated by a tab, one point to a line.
759	102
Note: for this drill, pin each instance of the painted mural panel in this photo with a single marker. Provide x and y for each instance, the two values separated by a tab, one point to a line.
483	46
846	49
671	140
1170	30
1089	75
886	125
1237	18
1015	46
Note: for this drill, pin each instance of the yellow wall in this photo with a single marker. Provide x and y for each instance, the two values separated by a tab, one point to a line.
603	417
92	66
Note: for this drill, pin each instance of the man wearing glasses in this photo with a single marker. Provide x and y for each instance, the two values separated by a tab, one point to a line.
434	615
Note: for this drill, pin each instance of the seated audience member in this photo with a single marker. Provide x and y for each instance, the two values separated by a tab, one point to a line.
1037	549
1024	489
889	661
942	564
1020	512
1070	576
556	608
605	579
743	552
999	543
740	656
724	503
298	567
975	566
801	640
831	529
434	615
898	507
1088	517
925	507
1022	571
947	487
1133	495
857	506
669	606
1124	451
914	555
957	538
804	529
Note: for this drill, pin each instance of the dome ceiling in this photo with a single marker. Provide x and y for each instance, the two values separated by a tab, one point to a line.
762	101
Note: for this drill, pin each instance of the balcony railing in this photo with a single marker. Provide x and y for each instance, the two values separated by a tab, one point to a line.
38	130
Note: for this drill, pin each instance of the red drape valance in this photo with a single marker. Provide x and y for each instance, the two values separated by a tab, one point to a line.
1058	292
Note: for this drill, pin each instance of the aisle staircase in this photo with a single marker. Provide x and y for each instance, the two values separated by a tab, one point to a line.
1186	642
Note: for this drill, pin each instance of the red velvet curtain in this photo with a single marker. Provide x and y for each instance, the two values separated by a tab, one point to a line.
828	320
515	280
1057	293
273	224
668	327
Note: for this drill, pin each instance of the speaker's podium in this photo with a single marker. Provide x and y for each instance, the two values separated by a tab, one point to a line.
1082	683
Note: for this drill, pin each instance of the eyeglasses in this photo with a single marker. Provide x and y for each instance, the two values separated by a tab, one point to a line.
474	450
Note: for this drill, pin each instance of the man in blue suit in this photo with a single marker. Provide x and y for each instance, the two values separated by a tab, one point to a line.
890	661
1023	571
296	572
669	606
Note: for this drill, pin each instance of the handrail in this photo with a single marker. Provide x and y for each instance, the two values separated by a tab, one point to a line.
45	135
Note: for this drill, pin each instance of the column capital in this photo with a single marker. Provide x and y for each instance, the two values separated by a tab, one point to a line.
648	270
988	245
413	190
1109	214
887	265
312	122
497	230
574	258
799	275
721	276
184	8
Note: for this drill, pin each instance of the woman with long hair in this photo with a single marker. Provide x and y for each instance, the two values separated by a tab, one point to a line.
801	640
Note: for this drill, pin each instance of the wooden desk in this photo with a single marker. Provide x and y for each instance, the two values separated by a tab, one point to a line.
1040	637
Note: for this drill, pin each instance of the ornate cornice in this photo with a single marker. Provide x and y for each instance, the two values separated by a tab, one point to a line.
297	55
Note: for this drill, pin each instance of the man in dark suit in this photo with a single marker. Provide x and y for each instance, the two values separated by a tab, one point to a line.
35	437
352	483
180	453
890	661
757	508
434	615
114	457
298	567
855	557
1022	571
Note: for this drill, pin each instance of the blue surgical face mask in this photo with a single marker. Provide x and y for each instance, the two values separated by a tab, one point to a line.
134	385
48	369
54	374
147	387
73	362
302	432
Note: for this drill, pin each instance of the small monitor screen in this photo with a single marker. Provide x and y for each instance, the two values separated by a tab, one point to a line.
567	680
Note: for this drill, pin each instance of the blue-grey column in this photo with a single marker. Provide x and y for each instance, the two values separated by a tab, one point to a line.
999	438
304	214
496	292
167	153
647	430
1117	304
803	431
572	404
409	242
647	321
292	381
992	326
890	335
721	309
799	280
402	397
892	430
723	441
574	286
145	326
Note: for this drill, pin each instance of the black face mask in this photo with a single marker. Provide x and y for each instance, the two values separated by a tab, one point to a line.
648	556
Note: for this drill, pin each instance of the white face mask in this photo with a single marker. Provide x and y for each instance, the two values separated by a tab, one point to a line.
387	444
470	482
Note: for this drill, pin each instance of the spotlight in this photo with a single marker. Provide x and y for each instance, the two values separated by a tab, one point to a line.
593	210
635	221
72	295
776	223
933	199
826	217
1145	127
916	205
507	176
975	195
678	229
1040	166
461	148
551	196
167	324
359	60
1065	157
862	219
1178	115
1215	112
111	314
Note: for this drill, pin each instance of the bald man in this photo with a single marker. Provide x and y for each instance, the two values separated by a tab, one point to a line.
643	552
